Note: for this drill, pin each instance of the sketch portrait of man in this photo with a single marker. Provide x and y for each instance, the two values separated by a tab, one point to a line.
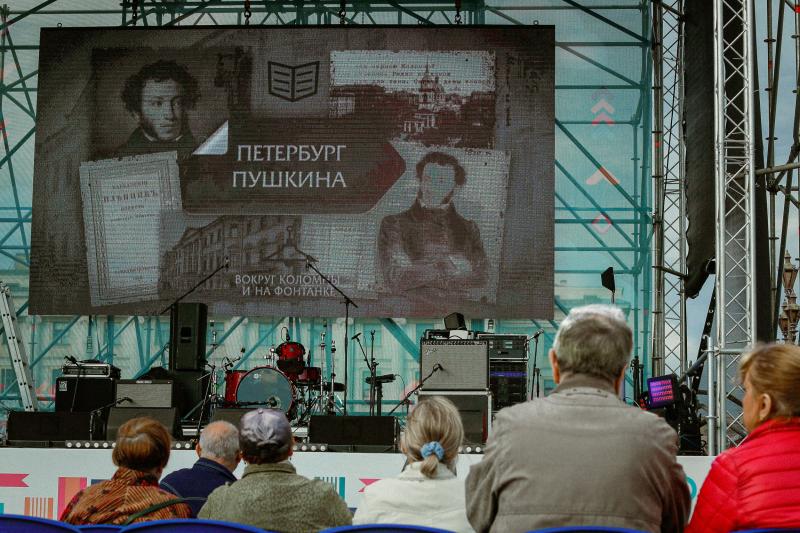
430	247
159	97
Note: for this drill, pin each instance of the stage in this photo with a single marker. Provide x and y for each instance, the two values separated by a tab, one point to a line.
41	481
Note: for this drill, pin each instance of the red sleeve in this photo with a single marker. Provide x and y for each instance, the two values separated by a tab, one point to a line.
717	504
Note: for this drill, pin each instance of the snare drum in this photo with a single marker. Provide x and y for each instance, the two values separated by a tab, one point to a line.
267	387
310	377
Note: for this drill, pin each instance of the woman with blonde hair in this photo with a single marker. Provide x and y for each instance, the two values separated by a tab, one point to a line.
427	492
757	484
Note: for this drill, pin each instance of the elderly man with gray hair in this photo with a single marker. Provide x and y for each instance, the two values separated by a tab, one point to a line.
218	452
581	456
270	494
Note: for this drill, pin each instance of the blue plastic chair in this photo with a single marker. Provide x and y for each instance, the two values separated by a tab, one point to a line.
385	528
101	528
586	529
190	525
13	523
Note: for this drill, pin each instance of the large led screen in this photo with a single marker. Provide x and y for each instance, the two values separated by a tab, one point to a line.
411	166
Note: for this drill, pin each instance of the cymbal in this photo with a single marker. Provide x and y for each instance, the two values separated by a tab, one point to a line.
306	383
337	387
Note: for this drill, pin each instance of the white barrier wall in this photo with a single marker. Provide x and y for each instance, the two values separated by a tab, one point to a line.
40	481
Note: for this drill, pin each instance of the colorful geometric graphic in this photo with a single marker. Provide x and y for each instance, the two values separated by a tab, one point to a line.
337	482
2	508
13	480
367	481
39	507
68	487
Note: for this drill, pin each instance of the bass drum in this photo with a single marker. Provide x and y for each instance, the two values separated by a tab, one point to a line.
266	387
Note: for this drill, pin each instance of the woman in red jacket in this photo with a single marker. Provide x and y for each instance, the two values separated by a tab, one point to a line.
757	484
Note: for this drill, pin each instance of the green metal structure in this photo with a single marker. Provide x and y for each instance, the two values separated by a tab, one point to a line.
602	193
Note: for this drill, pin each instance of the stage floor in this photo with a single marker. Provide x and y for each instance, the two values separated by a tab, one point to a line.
41	481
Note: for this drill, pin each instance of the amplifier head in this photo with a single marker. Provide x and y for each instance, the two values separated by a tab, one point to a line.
464	364
146	392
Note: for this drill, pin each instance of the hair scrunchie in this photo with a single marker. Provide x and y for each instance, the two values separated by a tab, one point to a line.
431	448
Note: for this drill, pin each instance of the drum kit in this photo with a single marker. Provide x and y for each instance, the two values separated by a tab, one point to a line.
287	382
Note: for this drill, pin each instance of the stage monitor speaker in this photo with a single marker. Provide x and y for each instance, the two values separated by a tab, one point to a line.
475	409
168	416
146	392
465	364
232	415
91	393
353	430
47	426
187	336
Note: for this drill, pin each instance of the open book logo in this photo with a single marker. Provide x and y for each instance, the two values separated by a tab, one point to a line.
293	83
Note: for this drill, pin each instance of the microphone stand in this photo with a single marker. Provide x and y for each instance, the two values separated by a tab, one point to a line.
347	303
415	389
535	370
371	381
93	413
211	378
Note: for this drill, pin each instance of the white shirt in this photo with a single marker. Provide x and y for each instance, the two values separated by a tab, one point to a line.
413	499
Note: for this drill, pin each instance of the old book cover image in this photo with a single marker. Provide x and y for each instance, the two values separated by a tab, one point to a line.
123	203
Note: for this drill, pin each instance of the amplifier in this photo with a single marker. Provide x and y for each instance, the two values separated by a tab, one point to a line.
465	364
146	392
508	382
167	416
506	346
91	370
475	409
90	393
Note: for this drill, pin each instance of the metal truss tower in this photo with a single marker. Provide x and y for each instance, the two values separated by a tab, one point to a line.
735	200
669	221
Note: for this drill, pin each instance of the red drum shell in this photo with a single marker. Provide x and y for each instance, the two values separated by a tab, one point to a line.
232	380
311	375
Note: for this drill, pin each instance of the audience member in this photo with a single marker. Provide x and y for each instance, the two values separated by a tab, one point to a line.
757	484
580	456
270	494
427	492
132	494
218	452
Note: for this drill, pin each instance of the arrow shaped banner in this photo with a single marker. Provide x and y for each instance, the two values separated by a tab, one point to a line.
603	104
13	480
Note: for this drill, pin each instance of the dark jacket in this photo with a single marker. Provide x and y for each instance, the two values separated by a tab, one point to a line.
755	485
578	457
197	482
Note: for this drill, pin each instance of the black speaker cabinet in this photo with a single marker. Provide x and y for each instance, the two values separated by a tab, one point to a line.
91	393
231	415
187	336
168	416
475	409
189	391
353	430
47	426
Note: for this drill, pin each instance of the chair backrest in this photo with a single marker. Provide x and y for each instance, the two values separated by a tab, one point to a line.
100	528
12	523
385	528
190	525
586	529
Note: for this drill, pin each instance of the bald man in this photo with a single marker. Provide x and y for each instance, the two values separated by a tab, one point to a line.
219	455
